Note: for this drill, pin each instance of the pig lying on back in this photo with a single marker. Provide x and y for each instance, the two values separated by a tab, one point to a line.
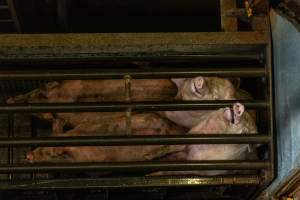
226	120
142	124
95	91
202	88
233	120
98	91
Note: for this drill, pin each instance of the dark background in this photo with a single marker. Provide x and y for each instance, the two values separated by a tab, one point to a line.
49	16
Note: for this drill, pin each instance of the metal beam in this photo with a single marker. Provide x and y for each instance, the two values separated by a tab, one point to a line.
123	106
228	23
3	7
108	45
136	166
128	182
94	73
137	140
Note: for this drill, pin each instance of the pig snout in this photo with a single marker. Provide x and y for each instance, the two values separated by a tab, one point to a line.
198	84
235	113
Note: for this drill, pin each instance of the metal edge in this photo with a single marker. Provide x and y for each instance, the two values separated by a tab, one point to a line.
134	182
137	140
123	106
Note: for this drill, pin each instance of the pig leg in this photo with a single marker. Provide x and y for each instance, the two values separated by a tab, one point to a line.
161	151
58	126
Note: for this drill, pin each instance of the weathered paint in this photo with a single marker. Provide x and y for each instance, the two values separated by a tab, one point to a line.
286	57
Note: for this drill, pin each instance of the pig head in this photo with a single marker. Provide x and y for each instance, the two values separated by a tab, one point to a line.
233	120
203	88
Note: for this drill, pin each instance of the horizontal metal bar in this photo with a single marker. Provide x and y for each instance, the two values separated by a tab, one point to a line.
6	21
130	57
4	7
127	182
123	106
135	166
99	46
136	140
92	73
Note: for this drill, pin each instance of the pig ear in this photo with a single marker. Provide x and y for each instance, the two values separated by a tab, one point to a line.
178	81
228	114
235	81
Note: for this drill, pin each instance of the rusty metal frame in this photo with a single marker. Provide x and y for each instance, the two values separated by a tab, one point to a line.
135	182
135	46
39	47
271	173
288	187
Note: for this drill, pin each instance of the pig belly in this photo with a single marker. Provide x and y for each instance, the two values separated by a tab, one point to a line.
217	152
187	119
207	152
119	153
141	124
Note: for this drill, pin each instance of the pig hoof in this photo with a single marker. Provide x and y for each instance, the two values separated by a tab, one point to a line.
11	100
29	156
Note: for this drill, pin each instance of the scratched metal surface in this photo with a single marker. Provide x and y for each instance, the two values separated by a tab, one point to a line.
286	51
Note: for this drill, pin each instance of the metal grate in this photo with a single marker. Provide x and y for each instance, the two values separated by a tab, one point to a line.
136	48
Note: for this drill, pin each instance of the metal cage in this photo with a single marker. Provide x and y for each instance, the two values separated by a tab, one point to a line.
32	59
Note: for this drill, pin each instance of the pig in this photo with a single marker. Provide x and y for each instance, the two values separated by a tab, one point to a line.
233	120
95	91
142	124
202	88
99	91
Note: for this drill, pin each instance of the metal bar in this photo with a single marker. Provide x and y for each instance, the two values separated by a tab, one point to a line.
3	7
10	147
270	92
136	166
96	45
33	135
125	39
128	121
228	23
6	21
127	79
211	56
136	140
128	182
14	16
92	73
270	173
123	106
